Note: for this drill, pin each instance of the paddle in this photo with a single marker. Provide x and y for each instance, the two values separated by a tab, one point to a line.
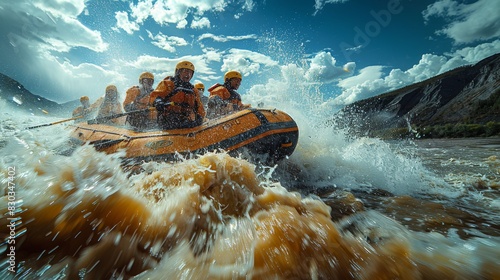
93	121
53	123
99	120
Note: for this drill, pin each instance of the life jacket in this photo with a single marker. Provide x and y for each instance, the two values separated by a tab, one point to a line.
78	111
137	98
184	107
109	109
220	97
226	94
85	113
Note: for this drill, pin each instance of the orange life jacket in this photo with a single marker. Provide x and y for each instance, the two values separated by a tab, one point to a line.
225	94
78	111
84	113
137	96
138	99
109	109
184	108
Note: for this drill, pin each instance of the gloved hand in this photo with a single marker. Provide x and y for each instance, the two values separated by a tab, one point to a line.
159	105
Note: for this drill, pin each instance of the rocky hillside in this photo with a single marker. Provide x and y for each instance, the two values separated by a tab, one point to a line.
466	95
22	99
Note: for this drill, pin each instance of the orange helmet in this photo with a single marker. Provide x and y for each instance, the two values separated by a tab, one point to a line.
199	86
146	75
232	74
184	65
84	98
111	88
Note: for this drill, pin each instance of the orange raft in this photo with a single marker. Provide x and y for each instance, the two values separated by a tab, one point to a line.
267	132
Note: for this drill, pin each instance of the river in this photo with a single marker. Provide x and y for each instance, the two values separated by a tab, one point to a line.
340	207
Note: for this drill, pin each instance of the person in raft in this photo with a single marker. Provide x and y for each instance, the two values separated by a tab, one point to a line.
201	89
86	111
177	101
110	106
223	98
137	98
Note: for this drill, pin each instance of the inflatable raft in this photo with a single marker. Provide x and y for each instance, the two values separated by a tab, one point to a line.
261	132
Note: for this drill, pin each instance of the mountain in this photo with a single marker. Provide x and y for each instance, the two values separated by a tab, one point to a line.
20	98
465	98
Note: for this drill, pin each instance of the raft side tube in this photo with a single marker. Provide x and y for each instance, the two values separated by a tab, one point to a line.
260	131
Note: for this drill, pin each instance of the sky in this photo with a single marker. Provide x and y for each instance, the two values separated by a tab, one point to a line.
347	50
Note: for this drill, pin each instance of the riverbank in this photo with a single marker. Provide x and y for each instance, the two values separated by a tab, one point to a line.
457	130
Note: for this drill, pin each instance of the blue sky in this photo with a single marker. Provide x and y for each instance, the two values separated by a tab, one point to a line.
346	49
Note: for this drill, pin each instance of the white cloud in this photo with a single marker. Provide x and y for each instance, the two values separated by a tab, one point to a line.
222	38
182	24
360	86
475	54
122	22
319	4
199	23
141	11
167	43
50	25
69	8
370	80
165	12
369	73
212	55
323	69
428	66
163	66
478	21
245	61
442	8
39	35
349	67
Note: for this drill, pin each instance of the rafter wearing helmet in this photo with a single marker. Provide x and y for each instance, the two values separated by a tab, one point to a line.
86	110
110	106
137	98
177	101
223	98
201	89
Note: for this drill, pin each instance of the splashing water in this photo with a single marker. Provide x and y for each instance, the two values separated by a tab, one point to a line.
208	217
